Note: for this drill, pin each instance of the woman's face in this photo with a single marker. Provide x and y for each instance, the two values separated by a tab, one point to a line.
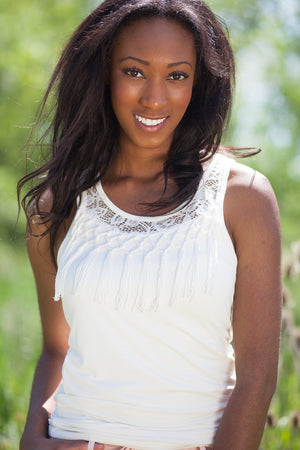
151	81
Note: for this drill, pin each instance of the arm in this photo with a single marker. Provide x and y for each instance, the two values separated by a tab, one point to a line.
55	344
252	218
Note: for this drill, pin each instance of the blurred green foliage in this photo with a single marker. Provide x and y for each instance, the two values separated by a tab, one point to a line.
266	38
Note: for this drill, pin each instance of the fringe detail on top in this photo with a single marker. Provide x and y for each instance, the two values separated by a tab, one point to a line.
145	263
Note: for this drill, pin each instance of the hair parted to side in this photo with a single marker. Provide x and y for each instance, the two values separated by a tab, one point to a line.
84	130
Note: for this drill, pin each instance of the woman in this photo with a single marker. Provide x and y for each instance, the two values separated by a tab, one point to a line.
155	246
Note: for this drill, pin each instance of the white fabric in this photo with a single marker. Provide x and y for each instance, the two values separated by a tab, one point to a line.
148	301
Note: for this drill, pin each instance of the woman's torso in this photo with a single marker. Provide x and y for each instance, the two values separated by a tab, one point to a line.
148	301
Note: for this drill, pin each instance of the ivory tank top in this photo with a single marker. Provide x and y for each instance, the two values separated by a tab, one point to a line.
150	363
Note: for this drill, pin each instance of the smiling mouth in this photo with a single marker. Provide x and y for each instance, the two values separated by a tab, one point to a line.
150	122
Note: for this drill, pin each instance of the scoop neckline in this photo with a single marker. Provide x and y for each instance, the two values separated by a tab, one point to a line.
135	217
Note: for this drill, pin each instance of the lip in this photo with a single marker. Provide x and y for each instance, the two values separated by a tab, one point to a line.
150	128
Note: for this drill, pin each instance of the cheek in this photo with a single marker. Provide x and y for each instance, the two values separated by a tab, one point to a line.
182	98
122	93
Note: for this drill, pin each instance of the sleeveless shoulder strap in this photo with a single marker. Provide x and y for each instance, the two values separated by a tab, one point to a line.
212	188
215	179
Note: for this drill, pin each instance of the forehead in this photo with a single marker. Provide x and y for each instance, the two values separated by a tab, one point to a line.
155	38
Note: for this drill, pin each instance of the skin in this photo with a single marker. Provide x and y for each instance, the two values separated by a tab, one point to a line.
251	216
152	75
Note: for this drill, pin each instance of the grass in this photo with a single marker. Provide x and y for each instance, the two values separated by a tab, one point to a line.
20	340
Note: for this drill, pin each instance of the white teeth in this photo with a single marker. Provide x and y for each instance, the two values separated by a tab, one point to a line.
150	122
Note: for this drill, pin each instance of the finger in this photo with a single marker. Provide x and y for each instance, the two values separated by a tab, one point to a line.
66	444
95	446
91	445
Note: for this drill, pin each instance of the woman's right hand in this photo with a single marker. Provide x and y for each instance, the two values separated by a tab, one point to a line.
29	443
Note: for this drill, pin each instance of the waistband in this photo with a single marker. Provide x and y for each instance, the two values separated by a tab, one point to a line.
91	446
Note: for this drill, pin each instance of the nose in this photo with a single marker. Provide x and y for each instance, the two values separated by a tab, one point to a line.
154	94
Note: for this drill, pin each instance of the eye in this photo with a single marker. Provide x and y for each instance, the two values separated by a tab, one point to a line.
178	76
133	72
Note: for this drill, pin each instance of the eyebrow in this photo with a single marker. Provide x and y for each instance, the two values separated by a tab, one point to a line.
146	63
179	64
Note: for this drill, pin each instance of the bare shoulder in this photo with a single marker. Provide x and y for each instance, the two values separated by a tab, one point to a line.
37	236
250	205
36	212
46	201
249	184
38	222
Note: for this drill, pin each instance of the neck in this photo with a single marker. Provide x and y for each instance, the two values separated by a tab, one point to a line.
143	165
140	161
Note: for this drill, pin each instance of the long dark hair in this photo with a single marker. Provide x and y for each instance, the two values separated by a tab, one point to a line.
84	129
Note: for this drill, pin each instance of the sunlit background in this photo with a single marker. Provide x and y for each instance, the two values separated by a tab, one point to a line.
265	35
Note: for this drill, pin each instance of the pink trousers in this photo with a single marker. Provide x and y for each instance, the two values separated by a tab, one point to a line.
117	447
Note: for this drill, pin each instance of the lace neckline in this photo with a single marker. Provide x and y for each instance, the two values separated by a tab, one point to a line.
121	213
